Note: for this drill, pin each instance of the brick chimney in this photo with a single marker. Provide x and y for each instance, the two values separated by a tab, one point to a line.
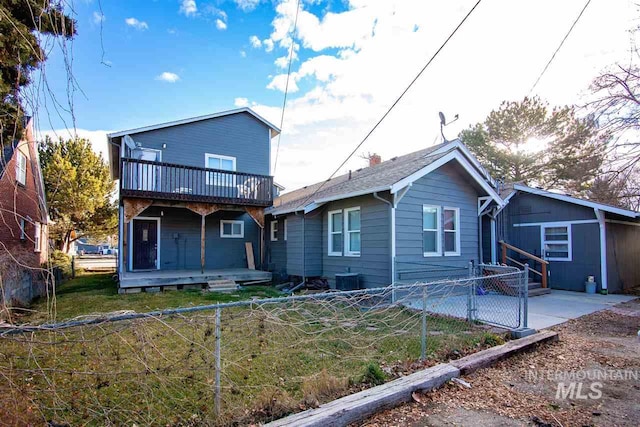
374	159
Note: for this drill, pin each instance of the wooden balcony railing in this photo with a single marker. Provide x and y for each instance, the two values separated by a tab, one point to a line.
159	180
543	263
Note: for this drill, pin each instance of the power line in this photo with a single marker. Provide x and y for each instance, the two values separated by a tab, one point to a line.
384	116
286	87
559	46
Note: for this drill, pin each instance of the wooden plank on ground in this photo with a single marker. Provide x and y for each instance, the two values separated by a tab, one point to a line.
360	405
251	262
488	357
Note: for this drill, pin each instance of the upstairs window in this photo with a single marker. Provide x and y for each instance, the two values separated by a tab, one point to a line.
352	229
335	233
556	242
274	231
223	163
21	168
23	229
431	230
451	231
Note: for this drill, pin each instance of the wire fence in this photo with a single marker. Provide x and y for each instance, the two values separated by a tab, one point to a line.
243	362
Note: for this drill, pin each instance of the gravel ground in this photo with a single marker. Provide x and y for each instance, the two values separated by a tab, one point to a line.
508	394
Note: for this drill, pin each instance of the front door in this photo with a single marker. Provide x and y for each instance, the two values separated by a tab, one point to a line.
145	244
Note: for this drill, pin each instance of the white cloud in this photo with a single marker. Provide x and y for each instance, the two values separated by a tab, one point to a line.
220	24
241	102
268	45
357	62
243	54
247	5
135	23
188	7
98	17
168	77
255	42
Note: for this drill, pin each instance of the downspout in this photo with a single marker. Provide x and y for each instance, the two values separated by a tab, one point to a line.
603	249
393	235
492	219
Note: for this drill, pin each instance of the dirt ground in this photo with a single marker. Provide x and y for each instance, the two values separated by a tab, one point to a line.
601	349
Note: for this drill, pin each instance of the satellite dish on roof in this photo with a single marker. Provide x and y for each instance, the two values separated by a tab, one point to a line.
443	121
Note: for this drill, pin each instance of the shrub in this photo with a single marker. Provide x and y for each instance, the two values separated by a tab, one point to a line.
373	374
491	340
59	259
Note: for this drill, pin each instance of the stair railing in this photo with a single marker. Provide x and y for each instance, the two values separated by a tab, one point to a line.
543	263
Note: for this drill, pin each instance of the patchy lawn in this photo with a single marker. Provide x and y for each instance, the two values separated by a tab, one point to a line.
508	394
275	358
98	293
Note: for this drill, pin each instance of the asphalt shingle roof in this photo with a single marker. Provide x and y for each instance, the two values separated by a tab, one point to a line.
382	175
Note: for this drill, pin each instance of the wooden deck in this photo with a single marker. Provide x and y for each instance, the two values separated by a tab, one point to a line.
140	279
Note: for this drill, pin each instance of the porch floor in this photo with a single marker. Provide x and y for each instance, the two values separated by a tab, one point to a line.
134	279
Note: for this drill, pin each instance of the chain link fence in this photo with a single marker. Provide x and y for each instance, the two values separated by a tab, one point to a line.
244	362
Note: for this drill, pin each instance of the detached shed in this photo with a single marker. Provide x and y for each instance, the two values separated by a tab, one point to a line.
579	238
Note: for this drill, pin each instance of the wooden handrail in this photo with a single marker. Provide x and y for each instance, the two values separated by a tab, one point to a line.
521	252
543	263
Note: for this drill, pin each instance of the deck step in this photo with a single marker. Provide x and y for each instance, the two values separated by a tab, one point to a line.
224	285
534	285
539	291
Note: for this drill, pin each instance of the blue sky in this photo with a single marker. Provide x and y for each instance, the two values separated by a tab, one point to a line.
352	58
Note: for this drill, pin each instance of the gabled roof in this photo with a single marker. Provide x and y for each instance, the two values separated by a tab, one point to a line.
274	130
574	200
391	175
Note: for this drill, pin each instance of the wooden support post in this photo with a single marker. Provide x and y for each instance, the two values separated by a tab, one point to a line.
202	233
504	253
544	274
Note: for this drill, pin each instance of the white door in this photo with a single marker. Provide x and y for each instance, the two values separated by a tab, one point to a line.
146	177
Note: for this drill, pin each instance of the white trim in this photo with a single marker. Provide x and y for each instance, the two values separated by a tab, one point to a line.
311	207
456	231
603	248
457	144
568	242
454	155
330	233
131	245
347	232
274	130
349	195
232	222
37	237
209	177
556	223
438	231
574	200
286	229
273	231
494	254
21	167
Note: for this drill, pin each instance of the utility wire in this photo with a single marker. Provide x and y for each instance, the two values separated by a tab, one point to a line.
286	87
559	46
384	116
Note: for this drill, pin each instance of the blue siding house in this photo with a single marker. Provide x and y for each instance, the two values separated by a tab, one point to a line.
192	195
577	238
412	217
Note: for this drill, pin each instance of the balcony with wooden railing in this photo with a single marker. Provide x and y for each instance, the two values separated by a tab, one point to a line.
159	180
536	262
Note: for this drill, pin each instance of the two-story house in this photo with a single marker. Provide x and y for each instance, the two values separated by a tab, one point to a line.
192	195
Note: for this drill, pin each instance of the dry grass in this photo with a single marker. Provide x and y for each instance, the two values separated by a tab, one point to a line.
323	387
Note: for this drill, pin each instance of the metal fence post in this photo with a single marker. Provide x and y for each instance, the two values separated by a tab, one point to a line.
525	291
393	280
218	364
470	293
423	341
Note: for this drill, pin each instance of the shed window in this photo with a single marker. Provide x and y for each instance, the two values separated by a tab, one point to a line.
21	168
556	242
352	228
274	231
431	230
335	233
451	231
232	229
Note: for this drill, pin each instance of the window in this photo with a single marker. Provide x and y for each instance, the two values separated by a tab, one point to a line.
556	242
224	163
21	168
451	231
274	231
352	232
431	230
231	229
36	237
23	229
335	233
286	226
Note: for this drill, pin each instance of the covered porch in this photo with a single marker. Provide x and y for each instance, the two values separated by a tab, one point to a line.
177	278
